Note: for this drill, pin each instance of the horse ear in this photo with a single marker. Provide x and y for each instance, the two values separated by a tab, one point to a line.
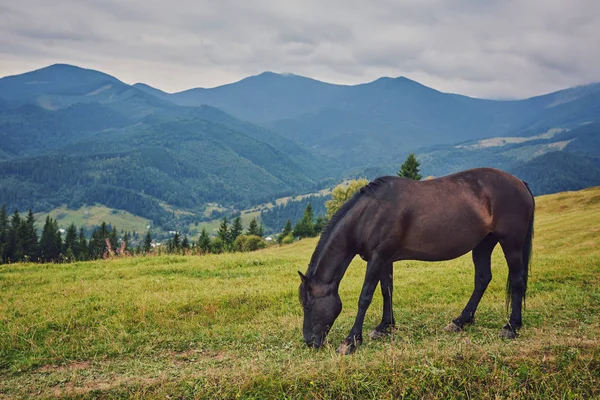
304	278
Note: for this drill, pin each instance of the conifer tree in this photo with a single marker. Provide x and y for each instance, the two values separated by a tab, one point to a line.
71	242
410	168
82	248
14	247
176	243
223	232
204	241
30	238
253	228
306	226
148	242
114	239
3	234
58	243
96	246
236	230
126	240
287	229
320	224
185	244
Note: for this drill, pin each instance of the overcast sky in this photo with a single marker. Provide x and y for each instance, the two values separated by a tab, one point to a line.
482	48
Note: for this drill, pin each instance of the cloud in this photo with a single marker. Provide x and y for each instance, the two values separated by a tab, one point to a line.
476	47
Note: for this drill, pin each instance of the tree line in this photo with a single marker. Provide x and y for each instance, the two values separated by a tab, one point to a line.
19	241
231	237
276	218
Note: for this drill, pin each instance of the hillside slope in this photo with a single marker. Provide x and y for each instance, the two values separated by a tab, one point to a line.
74	136
203	326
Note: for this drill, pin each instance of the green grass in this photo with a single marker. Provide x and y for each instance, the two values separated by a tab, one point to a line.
89	216
229	326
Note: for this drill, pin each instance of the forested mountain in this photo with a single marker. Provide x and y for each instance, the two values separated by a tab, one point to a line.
76	136
350	123
73	136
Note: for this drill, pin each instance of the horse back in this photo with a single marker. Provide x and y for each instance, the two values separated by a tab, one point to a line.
441	218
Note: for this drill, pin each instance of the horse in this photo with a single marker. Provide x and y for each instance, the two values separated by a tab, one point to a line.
392	219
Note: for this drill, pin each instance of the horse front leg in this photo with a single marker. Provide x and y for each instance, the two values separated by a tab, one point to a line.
372	277
387	289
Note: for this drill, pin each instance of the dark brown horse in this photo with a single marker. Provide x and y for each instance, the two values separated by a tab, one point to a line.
393	219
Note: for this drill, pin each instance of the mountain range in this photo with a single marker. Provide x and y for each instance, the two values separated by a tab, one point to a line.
76	136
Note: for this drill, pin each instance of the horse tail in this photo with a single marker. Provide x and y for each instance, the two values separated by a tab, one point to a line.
527	253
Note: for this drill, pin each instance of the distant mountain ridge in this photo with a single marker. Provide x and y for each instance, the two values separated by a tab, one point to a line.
352	121
79	136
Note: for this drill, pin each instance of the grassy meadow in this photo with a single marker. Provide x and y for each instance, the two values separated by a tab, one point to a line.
90	216
229	326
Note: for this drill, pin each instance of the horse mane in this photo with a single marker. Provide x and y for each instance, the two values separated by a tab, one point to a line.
369	189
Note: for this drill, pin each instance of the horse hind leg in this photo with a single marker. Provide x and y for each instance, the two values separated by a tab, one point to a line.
387	288
513	253
482	259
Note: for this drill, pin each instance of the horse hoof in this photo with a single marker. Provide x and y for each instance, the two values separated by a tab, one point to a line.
346	348
452	327
508	334
375	334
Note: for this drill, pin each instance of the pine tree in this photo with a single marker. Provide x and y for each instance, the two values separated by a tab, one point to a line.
320	224
261	232
253	228
103	231
287	229
148	243
30	238
185	244
47	241
306	226
114	239
236	230
126	240
223	232
82	248
71	242
97	245
410	168
3	234
14	248
176	243
58	243
204	241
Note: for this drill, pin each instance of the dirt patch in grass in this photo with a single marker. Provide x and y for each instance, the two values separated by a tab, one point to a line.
76	366
75	388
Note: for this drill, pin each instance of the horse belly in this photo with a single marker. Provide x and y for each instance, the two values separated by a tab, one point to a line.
438	242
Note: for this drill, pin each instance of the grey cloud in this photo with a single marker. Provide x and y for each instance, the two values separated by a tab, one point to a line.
482	48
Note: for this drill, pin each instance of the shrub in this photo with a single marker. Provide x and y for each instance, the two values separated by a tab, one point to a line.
249	243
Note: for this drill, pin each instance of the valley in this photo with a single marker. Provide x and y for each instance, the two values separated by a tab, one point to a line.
73	137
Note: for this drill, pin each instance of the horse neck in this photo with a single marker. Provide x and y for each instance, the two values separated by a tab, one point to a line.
334	259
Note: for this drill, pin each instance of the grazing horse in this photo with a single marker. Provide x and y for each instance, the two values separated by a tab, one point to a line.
393	219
